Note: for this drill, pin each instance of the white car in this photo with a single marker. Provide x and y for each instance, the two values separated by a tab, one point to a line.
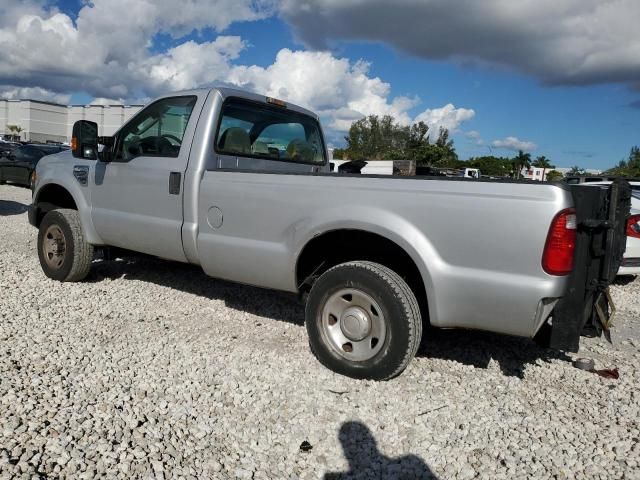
631	262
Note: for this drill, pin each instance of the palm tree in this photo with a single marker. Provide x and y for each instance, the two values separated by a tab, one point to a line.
543	163
522	160
15	130
576	170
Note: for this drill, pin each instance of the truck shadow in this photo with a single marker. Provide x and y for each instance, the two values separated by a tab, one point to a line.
478	349
468	347
191	279
9	207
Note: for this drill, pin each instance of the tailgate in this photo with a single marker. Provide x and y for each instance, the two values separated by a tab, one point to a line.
601	213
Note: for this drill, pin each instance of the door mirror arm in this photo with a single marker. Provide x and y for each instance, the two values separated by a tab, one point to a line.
106	153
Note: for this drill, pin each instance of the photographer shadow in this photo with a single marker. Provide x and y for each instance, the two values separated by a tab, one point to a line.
366	461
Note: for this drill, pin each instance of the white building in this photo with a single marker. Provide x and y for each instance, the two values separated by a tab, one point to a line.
51	122
536	173
587	171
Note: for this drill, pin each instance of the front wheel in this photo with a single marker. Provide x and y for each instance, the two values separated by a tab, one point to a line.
63	252
363	321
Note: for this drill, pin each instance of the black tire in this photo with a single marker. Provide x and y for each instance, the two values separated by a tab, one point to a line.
399	310
75	256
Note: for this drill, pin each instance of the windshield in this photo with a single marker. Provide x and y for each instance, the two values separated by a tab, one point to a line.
257	130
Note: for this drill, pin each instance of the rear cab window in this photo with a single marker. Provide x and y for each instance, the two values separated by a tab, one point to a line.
255	130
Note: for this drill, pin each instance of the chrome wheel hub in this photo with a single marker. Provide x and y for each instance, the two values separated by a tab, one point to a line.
353	324
54	247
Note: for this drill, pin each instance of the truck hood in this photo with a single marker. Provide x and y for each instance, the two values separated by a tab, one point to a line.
56	158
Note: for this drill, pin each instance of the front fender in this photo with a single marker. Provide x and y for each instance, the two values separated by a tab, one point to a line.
80	194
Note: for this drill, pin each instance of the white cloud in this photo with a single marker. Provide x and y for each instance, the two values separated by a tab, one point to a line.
105	51
557	41
515	144
191	64
107	54
448	117
475	137
33	93
473	134
107	101
340	91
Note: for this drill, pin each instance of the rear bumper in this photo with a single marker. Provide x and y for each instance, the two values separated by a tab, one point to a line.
630	266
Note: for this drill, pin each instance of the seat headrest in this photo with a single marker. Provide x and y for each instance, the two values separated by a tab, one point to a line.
300	150
235	140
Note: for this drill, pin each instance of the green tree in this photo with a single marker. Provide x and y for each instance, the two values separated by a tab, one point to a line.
492	166
554	176
15	130
520	161
576	170
340	154
629	167
382	138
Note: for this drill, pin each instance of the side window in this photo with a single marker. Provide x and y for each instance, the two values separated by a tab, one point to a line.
26	154
157	131
252	129
19	155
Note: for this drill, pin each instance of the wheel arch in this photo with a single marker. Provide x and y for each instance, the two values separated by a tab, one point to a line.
56	195
340	245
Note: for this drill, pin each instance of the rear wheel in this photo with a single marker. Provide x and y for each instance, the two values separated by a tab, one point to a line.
63	252
363	321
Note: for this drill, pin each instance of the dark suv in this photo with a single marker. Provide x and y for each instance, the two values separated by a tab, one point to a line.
19	164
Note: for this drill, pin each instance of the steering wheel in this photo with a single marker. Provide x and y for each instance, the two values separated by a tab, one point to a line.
172	137
152	145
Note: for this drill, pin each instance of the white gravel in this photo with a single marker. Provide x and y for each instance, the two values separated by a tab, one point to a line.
151	369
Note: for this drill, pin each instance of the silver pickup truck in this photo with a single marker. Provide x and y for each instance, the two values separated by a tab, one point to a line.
240	184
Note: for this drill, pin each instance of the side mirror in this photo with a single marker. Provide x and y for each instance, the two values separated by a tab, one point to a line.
84	140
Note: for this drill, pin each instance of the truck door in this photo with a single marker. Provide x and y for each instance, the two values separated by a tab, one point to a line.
137	196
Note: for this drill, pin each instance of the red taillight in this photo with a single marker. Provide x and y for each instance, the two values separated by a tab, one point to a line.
633	226
561	243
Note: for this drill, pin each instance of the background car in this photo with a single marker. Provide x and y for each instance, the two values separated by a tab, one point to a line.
7	147
18	166
631	261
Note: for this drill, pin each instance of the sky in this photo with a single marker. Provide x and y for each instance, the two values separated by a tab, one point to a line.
559	78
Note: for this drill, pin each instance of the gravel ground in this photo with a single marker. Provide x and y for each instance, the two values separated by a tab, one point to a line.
150	369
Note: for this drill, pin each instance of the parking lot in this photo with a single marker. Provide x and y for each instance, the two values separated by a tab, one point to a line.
151	369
